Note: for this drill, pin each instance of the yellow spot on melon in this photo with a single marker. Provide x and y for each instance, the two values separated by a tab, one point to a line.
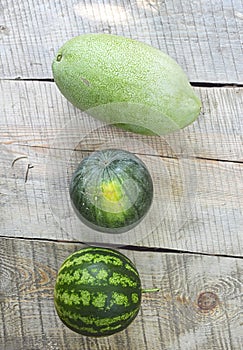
112	191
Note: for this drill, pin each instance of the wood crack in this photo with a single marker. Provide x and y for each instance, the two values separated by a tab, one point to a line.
205	84
124	247
216	84
219	160
140	153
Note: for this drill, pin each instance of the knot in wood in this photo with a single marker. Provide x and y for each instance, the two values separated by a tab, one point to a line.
207	301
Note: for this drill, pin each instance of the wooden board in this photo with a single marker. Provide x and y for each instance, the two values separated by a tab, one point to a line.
204	37
35	114
191	244
195	209
199	305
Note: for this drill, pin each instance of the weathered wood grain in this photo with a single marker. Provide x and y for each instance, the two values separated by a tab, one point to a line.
35	113
199	305
197	174
205	37
196	207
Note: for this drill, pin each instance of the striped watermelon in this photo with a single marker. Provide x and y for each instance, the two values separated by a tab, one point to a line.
97	292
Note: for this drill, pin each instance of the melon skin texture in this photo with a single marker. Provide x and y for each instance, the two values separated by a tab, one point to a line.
111	191
125	82
97	292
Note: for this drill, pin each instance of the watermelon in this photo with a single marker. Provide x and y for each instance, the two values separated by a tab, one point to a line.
97	292
111	190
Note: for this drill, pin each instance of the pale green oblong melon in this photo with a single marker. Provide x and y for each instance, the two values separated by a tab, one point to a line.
125	82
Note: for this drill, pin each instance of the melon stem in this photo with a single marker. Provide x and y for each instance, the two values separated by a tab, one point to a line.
150	290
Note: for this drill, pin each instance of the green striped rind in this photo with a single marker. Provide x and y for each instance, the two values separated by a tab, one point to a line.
97	292
131	184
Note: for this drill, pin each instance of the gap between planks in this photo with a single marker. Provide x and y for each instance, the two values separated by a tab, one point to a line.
124	247
140	153
193	83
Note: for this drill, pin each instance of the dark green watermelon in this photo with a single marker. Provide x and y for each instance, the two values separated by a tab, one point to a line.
97	292
111	190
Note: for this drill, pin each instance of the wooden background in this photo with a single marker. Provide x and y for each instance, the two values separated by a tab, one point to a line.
191	246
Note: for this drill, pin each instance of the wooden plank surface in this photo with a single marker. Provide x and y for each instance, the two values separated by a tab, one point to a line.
199	305
205	37
35	113
196	207
190	244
